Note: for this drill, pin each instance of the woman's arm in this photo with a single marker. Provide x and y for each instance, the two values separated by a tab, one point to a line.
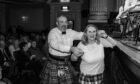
111	40
106	40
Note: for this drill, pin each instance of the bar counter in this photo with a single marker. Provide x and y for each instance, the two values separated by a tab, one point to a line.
125	64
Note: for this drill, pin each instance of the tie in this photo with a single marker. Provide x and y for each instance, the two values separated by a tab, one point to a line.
64	33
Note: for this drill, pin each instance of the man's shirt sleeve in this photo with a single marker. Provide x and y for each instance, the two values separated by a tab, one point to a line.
77	35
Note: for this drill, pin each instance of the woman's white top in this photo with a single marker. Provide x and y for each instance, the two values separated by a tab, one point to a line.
93	59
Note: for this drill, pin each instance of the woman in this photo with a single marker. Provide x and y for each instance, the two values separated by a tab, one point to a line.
14	46
92	63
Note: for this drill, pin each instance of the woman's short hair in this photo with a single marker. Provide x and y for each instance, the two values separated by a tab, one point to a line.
84	39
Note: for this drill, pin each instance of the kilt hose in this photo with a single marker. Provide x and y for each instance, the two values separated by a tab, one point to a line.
91	79
49	74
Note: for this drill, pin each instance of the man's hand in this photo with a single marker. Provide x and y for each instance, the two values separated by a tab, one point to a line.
33	56
6	64
77	51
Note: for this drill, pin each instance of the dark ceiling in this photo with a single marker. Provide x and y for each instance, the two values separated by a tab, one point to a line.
22	1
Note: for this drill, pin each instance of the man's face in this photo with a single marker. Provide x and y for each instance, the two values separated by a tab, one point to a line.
33	44
62	23
2	44
25	48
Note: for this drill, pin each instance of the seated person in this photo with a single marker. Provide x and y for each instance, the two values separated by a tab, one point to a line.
22	57
3	80
131	5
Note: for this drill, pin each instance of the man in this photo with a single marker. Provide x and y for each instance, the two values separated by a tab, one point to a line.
58	69
122	18
131	4
128	6
5	64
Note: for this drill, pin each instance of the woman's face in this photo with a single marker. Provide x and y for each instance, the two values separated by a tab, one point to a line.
91	33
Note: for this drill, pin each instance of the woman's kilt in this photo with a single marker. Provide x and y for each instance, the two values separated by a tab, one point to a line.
49	74
91	79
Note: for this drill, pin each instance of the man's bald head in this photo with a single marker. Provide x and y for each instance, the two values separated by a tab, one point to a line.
62	17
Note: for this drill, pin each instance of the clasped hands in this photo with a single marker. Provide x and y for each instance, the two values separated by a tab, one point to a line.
77	51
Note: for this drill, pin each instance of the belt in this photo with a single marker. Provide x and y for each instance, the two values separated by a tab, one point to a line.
59	58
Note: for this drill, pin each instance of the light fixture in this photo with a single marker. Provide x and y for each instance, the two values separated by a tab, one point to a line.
65	8
24	18
64	1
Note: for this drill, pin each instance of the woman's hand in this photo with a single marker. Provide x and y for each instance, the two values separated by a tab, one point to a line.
102	34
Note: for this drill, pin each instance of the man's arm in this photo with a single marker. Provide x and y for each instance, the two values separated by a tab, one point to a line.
77	53
120	13
130	5
127	4
76	35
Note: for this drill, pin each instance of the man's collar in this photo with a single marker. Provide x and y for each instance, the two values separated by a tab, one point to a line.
62	32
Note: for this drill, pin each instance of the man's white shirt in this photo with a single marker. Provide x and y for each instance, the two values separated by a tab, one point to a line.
60	44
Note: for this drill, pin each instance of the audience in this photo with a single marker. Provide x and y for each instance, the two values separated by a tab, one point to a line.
28	53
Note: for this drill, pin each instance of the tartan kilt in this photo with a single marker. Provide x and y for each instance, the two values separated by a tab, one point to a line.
49	74
91	79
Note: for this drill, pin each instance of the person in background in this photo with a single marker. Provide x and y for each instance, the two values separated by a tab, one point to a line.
131	4
92	59
14	46
1	81
127	6
122	17
4	64
38	57
58	69
2	37
22	57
